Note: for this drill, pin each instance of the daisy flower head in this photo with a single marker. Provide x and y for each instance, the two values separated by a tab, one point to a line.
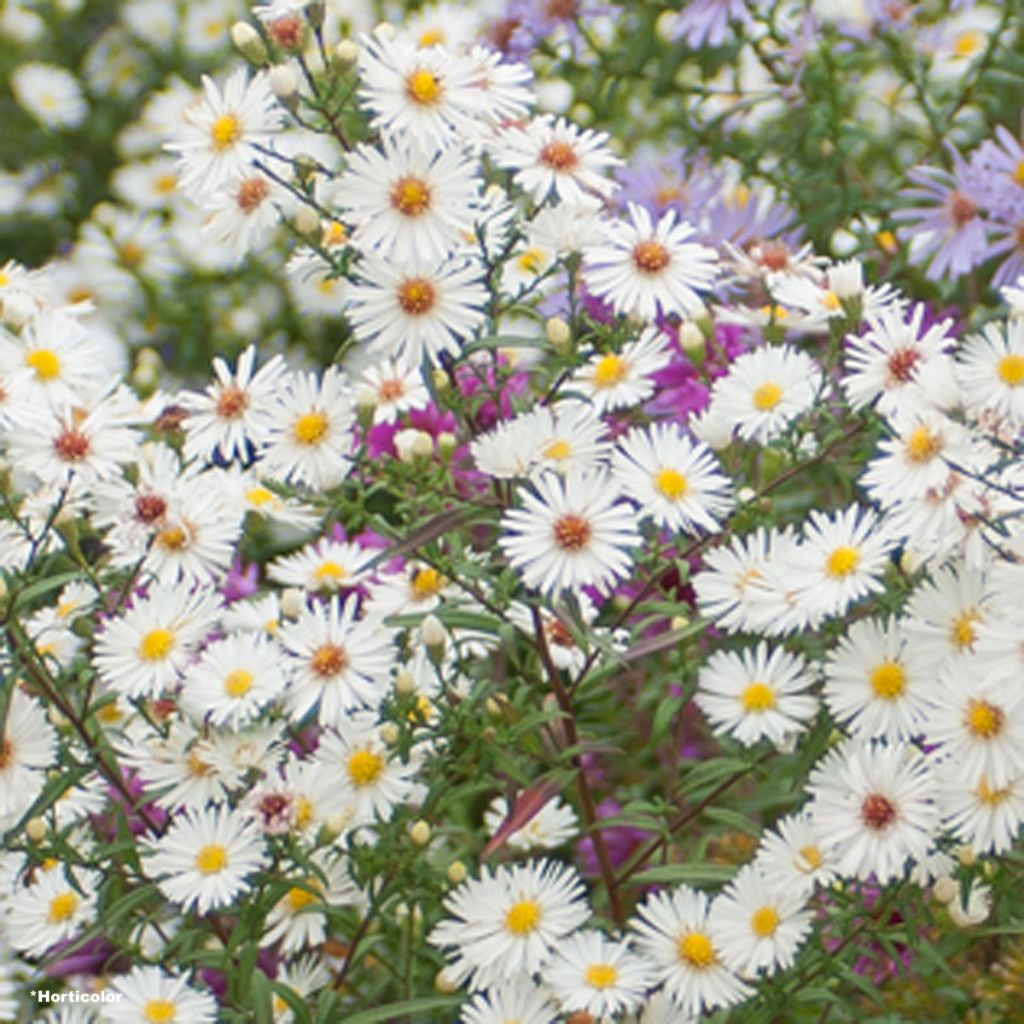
675	481
408	202
218	138
416	310
426	95
566	434
896	361
759	926
518	1000
243	211
594	974
327	564
674	933
397	387
793	856
765	390
570	532
552	826
614	380
150	994
874	806
990	368
646	269
875	687
508	924
986	818
757	693
553	157
57	905
310	436
338	661
51	94
203	861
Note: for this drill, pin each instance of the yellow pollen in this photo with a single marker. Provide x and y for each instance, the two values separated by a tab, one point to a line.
671	483
1018	173
983	720
364	767
212	859
988	796
156	644
739	197
311	428
610	370
44	362
334	234
764	921
225	131
4	279
330	572
416	296
696	950
962	631
922	445
758	697
431	37
411	197
1011	370
842	562
63	907
887	241
165	184
258	496
766	396
531	261
65	608
423	87
426	583
173	538
601	975
557	450
303	811
238	682
159	1011
888	680
299	898
968	44
831	301
197	767
808	859
523	917
131	254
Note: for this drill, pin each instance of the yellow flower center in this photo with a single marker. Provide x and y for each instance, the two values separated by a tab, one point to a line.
808	859
988	796
303	811
531	260
764	921
130	254
766	396
610	370
601	975
922	445
416	296
328	660
63	907
156	644
411	197
225	131
311	428
299	898
423	87
212	859
165	184
831	301
983	719
557	450
44	362
696	950
426	583
364	767
1010	370
888	680
671	483
842	562
330	572
173	538
523	917
258	496
962	631
159	1011
758	697
238	682
968	44
431	37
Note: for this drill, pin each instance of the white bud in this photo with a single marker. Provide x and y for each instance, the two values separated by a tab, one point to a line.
307	220
385	31
558	333
389	733
346	53
413	444
293	601
405	684
248	43
432	632
945	889
284	81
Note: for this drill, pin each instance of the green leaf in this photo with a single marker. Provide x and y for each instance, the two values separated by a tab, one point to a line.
394	1011
44	586
691	872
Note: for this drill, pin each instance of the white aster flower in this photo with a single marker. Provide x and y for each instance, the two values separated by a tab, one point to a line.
28	744
552	826
149	994
614	380
793	856
396	388
59	903
51	94
990	368
518	1000
987	818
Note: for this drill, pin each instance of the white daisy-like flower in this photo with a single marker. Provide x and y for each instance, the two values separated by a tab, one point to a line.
990	368
218	138
428	95
417	309
793	856
874	685
58	904
144	650
977	722
407	202
305	976
675	481
204	859
873	804
985	817
51	94
396	388
149	994
553	157
234	416
234	679
674	932
765	390
416	589
517	1000
552	826
566	434
508	924
594	974
759	926
504	89
243	211
646	269
339	661
757	694
613	380
326	564
310	436
570	532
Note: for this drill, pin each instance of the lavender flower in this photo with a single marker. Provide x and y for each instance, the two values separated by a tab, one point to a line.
706	22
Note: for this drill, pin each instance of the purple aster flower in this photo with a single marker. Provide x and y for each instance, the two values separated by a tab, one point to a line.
945	225
525	23
677	182
242	580
744	213
1007	237
999	168
706	22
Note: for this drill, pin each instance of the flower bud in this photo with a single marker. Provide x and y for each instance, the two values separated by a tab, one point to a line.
413	444
946	889
405	684
434	637
558	333
18	310
456	872
345	55
444	983
35	829
440	380
446	444
967	857
384	31
692	342
249	43
284	82
307	221
419	832
293	600
389	733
